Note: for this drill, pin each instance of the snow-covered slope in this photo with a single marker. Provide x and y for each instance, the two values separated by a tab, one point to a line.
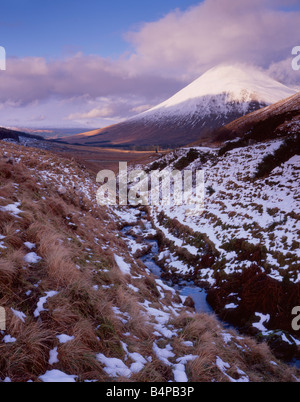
287	109
245	245
280	119
240	85
217	98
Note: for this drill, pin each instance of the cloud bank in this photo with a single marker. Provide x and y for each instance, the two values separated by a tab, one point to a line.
186	43
168	54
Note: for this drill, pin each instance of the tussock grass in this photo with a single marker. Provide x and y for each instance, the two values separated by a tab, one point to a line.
208	337
25	359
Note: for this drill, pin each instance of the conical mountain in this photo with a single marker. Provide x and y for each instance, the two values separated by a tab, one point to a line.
218	97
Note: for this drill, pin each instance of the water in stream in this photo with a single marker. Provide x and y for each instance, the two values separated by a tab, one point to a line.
184	288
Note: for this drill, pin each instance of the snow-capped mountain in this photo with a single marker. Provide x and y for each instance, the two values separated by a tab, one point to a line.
222	89
218	97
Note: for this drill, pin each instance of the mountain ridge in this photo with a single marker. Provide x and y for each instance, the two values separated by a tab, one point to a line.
278	120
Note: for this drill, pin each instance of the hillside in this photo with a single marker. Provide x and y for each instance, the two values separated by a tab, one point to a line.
244	248
277	120
8	134
23	138
81	306
218	97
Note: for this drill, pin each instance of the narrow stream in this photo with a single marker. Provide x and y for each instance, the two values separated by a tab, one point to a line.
184	288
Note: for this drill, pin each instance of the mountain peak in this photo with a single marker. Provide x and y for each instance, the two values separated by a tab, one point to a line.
218	97
240	83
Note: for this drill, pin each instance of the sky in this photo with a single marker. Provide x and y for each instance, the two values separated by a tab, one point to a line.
92	63
57	28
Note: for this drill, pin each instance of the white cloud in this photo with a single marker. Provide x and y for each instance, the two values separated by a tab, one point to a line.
94	113
141	108
283	72
187	43
168	54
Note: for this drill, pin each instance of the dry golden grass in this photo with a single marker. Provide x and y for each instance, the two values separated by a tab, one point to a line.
208	337
25	359
7	270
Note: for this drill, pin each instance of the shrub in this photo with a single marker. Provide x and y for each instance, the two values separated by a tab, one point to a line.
289	148
185	161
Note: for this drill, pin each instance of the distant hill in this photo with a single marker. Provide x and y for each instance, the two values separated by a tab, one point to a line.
6	134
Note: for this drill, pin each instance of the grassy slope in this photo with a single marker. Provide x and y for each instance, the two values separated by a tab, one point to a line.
107	314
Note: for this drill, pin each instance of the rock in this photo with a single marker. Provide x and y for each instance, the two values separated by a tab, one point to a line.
282	345
10	161
177	299
189	302
62	190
